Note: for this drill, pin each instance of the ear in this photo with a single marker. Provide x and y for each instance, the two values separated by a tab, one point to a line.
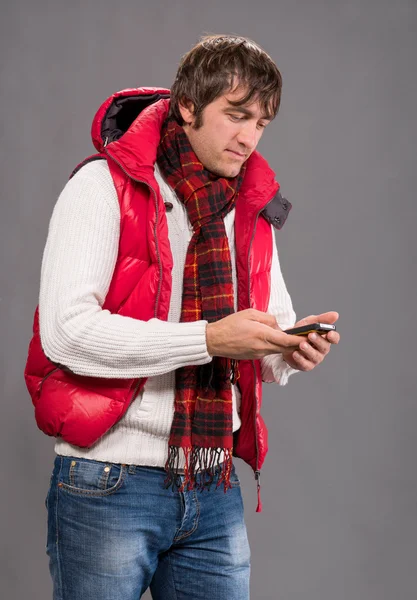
186	108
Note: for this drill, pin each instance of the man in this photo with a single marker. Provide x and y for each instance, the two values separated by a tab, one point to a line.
161	311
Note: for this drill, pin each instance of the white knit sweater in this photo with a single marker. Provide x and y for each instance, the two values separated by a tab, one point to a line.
77	268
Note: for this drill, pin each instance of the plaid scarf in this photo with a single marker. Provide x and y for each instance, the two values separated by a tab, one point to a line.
202	427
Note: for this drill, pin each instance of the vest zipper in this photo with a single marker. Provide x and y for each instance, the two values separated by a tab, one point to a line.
156	223
257	471
158	294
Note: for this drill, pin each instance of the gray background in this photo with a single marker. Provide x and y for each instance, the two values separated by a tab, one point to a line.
339	483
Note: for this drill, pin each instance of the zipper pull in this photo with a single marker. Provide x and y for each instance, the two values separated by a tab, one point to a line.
258	486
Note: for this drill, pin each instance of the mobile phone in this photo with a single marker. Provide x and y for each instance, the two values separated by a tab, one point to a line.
306	329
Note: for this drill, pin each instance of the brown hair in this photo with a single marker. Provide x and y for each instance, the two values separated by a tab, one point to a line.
219	63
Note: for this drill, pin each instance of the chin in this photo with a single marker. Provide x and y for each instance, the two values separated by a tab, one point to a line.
224	170
229	173
233	173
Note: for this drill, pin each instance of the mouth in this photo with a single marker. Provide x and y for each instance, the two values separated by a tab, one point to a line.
237	154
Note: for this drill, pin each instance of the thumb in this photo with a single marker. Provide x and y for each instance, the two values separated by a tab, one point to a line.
327	317
307	321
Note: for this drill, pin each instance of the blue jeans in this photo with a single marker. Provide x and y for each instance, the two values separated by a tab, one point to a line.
114	531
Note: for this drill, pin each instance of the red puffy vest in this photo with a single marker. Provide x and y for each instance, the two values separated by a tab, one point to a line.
126	131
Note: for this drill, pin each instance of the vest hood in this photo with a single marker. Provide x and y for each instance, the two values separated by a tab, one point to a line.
117	114
127	127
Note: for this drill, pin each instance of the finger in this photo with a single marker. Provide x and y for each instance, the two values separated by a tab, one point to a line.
284	340
290	341
333	337
303	364
311	353
320	343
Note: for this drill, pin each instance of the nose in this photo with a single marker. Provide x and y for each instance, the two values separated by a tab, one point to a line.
248	135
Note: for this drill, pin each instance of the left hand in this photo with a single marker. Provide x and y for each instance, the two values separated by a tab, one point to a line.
312	351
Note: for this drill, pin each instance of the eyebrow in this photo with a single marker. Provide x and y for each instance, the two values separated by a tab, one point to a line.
246	111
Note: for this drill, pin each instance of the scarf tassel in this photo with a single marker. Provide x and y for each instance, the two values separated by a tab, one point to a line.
201	467
234	371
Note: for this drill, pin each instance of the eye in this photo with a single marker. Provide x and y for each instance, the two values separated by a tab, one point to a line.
261	125
236	118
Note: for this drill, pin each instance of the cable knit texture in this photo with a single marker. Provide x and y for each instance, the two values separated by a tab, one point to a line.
77	268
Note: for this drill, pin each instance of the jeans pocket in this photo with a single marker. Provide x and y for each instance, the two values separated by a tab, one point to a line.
90	478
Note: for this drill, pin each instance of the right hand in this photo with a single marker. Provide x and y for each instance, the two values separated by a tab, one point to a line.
249	334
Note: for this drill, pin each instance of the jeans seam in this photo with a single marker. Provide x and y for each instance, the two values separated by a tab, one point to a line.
194	527
105	477
174	587
58	556
71	474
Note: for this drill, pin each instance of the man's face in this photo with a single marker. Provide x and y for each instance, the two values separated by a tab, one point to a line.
228	134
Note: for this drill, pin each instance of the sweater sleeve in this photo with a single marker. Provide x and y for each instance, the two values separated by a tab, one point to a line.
274	368
77	268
